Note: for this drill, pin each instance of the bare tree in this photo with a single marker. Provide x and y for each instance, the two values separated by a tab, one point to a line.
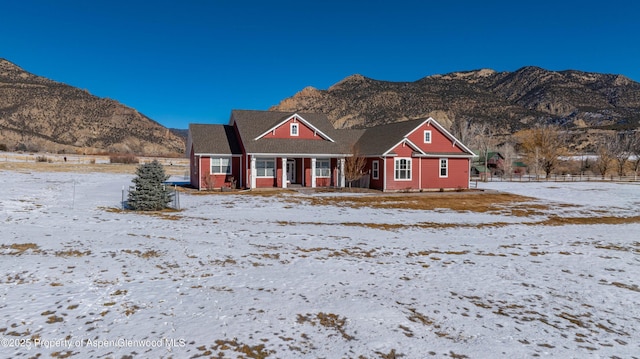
621	150
634	147
462	130
543	146
605	152
354	165
480	138
508	152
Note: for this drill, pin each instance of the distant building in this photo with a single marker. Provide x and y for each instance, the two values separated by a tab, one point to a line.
494	165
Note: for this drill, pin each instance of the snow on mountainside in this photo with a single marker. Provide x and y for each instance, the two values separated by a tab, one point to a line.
291	276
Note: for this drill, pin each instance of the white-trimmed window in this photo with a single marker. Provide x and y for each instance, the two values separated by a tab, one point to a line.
375	169
323	168
444	167
221	165
402	169
427	136
265	167
294	129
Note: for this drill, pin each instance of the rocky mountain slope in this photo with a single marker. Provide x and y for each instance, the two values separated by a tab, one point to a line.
508	100
39	114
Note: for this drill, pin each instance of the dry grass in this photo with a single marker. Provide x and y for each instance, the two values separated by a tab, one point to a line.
552	220
68	167
391	355
258	192
164	214
327	320
20	248
633	287
129	310
147	254
634	247
459	201
167	213
471	201
398	226
555	220
56	166
54	319
72	253
246	351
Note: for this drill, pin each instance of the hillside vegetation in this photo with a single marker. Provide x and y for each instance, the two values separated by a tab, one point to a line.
508	102
38	114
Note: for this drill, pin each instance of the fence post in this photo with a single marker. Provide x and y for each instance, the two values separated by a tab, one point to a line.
122	202
176	197
73	201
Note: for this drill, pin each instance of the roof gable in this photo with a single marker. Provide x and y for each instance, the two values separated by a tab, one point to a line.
249	131
254	126
382	139
404	141
454	141
293	118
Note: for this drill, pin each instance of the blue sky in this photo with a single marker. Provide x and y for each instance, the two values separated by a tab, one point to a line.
189	61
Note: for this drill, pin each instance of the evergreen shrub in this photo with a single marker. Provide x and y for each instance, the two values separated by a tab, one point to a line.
150	192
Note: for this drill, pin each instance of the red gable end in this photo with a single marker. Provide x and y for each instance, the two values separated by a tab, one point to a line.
438	141
293	129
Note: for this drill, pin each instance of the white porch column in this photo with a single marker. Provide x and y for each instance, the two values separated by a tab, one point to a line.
420	173
253	172
199	173
313	172
239	180
384	174
342	179
284	172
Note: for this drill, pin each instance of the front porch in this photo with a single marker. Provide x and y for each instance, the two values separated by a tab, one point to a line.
285	171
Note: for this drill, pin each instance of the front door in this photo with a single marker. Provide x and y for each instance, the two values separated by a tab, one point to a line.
291	171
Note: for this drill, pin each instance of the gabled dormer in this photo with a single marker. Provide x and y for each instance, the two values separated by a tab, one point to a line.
295	127
403	146
431	137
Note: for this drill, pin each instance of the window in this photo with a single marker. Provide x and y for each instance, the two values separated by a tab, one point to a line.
293	129
375	169
427	136
221	165
265	167
323	168
403	169
444	167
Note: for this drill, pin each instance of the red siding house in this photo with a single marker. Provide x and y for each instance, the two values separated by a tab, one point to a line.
259	149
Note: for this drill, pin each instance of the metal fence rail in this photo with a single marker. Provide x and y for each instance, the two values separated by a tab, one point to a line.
557	178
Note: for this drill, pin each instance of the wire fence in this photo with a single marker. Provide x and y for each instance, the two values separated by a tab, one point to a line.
557	178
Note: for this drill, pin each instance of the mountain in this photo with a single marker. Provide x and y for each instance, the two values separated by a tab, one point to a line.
508	100
38	114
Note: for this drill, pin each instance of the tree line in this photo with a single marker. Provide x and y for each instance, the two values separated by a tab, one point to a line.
544	147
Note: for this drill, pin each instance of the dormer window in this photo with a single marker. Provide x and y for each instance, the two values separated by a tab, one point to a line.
427	136
293	130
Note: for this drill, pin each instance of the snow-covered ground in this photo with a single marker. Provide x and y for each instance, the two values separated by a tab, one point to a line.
276	276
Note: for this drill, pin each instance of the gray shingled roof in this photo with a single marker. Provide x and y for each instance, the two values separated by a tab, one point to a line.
252	124
214	139
221	139
379	139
